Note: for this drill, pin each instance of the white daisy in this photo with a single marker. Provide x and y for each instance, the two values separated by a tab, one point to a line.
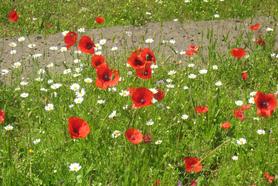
74	167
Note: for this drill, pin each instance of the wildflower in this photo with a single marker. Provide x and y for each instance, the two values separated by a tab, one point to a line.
13	16
49	107
192	164
75	87
112	115
134	136
201	109
100	20
141	97
74	167
70	39
2	116
78	128
150	122
106	77
86	45
24	95
9	127
241	141
261	132
238	53
266	104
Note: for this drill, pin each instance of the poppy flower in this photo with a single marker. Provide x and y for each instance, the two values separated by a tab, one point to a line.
268	177
239	114
134	136
70	39
2	116
191	50
78	128
245	107
144	72
226	125
238	53
266	104
147	138
86	45
148	55
244	75
136	61
141	97
97	60
106	77
260	41
201	109
100	20
192	164
255	27
159	95
13	16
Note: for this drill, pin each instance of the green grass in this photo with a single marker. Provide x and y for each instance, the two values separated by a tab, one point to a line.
110	161
60	15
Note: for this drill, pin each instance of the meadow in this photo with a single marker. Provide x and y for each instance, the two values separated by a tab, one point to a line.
201	116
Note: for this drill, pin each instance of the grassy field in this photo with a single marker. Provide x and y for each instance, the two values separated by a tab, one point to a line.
54	16
37	146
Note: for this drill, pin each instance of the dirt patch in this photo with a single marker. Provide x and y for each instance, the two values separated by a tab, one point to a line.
169	39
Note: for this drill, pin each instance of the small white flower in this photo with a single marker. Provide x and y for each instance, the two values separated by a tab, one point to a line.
215	67
77	52
39	79
256	119
55	86
192	76
53	48
67	71
149	40
185	88
50	81
80	93
12	44
235	158
241	141
23	83
75	61
125	107
36	141
112	115
63	49
184	117
153	90
186	1
13	52
36	56
216	15
24	95
170	86
116	134
153	66
148	13
124	93
49	107
78	100
154	100
75	87
50	65
218	83
150	122
81	30
268	29
191	65
74	167
114	48
16	65
21	39
41	71
172	41
100	101
102	41
175	20
239	103
8	127
261	132
43	89
172	72
4	72
71	105
88	80
158	142
65	33
203	71
251	100
31	45
253	93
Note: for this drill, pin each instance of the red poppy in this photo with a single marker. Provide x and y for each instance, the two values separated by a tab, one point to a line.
86	45
260	41
201	109
266	104
144	72
193	183
2	116
159	95
245	107
134	136
238	53
225	125
191	50
192	164
97	60
239	114
147	138
100	20
78	128
244	75
255	27
70	39
13	16
136	61
141	97
268	177
106	77
148	55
